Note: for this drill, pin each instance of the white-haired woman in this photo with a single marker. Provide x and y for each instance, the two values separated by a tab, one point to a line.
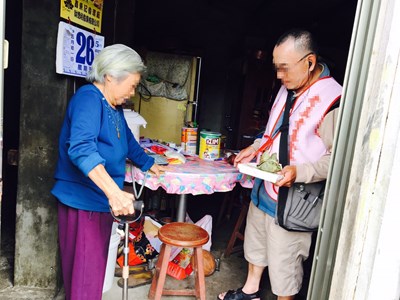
94	143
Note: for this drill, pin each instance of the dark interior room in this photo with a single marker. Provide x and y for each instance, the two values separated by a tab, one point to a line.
235	40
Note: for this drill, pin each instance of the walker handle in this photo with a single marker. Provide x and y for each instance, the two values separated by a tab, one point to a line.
138	206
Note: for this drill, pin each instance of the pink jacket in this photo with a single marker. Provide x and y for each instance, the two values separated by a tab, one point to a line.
308	110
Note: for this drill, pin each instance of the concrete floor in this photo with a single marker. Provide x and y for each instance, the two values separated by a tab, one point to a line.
232	274
217	282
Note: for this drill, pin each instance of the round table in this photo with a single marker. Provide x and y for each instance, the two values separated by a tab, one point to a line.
196	177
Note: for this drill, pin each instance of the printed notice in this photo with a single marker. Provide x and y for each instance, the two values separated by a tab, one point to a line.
87	13
76	49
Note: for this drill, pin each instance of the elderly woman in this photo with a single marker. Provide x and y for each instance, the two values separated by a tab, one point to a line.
94	143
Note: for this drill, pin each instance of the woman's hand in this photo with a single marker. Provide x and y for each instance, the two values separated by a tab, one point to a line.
157	169
245	156
121	203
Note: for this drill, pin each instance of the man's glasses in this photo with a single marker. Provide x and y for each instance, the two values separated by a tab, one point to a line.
284	68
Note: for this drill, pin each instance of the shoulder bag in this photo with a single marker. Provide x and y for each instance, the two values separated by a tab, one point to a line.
302	209
298	207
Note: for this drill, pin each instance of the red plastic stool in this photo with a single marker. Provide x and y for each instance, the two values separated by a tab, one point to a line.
180	235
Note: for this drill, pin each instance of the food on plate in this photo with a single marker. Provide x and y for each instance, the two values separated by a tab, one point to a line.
175	157
269	163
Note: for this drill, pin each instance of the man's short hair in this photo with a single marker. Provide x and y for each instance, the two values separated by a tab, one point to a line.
303	40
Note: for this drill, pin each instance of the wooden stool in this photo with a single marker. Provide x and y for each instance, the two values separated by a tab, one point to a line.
237	231
230	200
180	235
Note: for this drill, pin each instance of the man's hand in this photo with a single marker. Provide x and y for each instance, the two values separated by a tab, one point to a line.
289	176
244	156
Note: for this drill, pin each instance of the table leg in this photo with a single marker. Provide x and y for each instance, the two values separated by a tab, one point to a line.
181	211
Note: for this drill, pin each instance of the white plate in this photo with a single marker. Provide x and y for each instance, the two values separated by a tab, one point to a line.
252	170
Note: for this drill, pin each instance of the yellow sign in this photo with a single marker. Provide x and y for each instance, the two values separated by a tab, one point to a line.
86	13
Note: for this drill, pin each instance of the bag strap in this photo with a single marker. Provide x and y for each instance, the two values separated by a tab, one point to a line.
322	190
284	156
284	129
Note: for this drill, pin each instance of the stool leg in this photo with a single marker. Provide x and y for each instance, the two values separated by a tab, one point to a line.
222	210
236	231
160	273
153	286
163	272
200	284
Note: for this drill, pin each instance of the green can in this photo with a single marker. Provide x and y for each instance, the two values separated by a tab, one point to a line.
210	143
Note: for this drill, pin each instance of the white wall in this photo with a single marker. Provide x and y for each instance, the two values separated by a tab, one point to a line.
367	264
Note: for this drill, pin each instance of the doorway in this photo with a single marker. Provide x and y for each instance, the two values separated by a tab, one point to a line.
11	110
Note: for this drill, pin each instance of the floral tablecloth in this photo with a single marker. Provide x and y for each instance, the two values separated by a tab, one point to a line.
196	177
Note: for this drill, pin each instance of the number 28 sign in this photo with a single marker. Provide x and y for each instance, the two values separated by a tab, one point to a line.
76	49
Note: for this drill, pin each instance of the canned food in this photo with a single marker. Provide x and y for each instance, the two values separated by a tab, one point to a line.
209	145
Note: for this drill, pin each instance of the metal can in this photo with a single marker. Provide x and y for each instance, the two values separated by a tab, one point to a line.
189	140
210	143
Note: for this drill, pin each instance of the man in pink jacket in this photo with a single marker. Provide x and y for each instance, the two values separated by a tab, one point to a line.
313	99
